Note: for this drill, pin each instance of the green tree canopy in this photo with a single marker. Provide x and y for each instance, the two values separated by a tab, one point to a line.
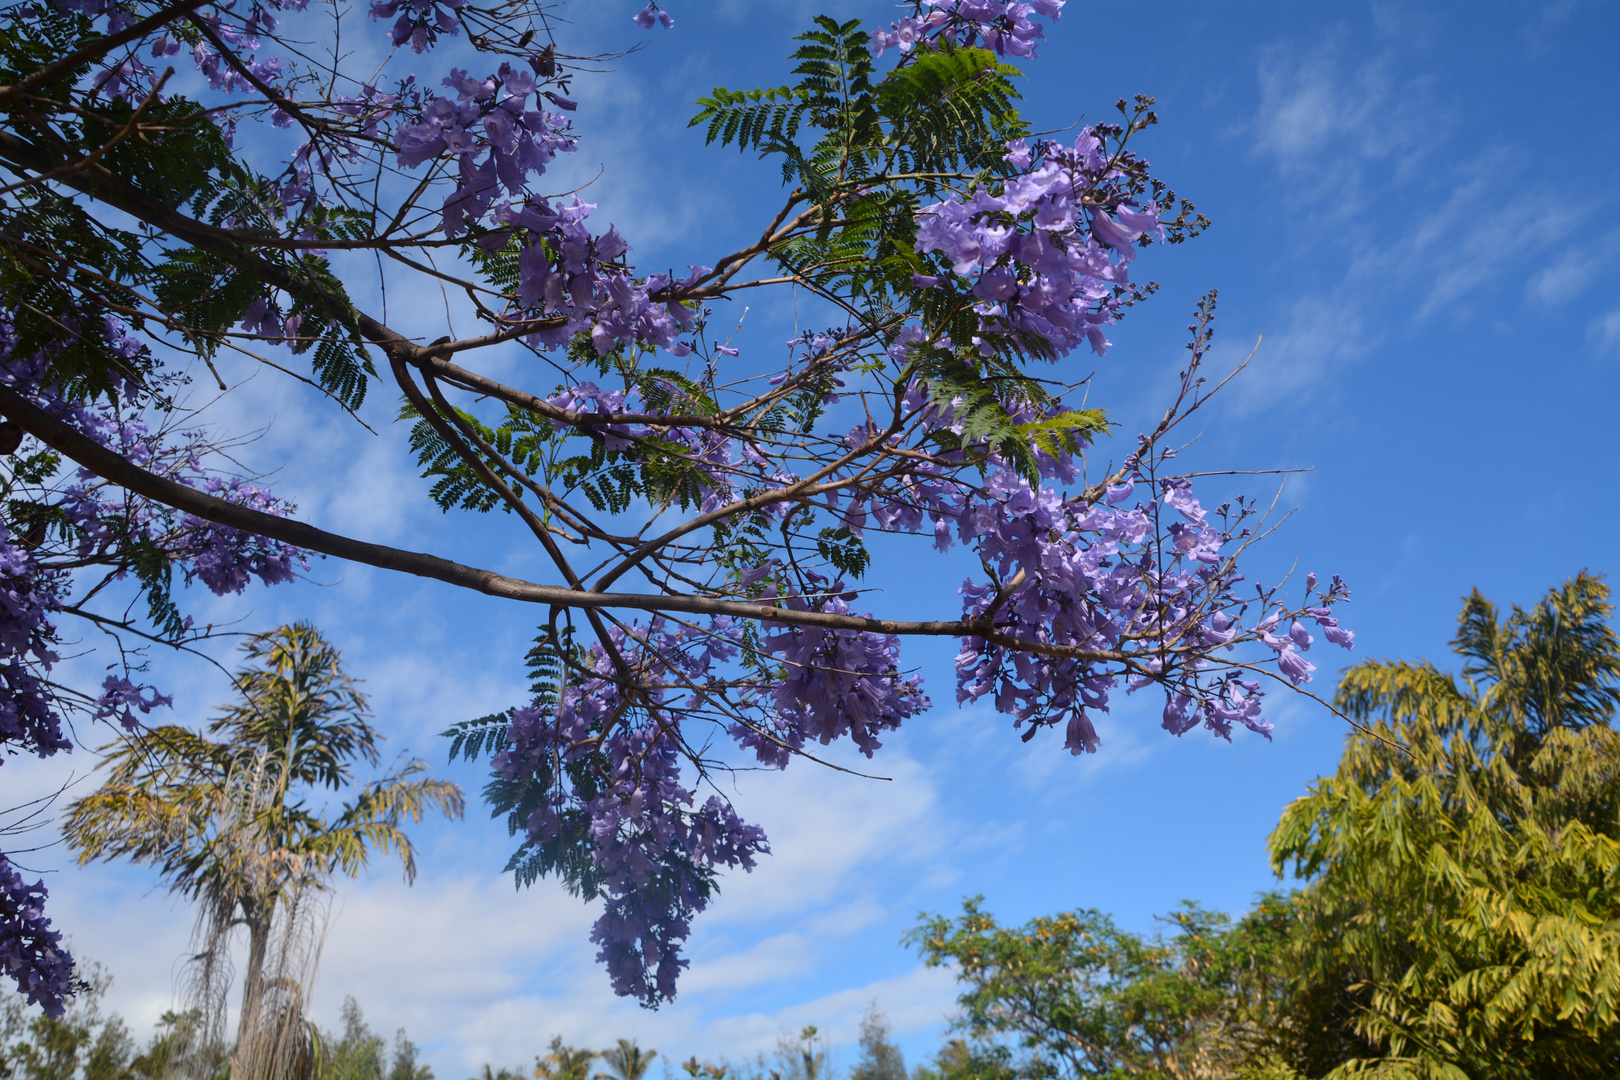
1071	996
880	1058
1461	916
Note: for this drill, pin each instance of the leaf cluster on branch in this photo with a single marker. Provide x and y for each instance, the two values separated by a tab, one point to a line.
705	516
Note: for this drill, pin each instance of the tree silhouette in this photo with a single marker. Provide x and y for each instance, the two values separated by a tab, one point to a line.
880	1058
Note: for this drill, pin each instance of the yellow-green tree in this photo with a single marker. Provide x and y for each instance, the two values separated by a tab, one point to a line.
626	1061
564	1062
230	819
1462	907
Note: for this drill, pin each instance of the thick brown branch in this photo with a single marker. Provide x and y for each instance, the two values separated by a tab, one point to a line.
105	463
99	47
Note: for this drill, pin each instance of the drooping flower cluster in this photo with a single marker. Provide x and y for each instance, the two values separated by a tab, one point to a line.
1048	254
612	762
651	16
227	559
569	279
29	719
420	21
31	952
835	683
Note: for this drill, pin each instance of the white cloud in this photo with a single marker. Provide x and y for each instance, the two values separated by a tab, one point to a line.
1334	132
1318	336
1427	228
1606	332
1568	275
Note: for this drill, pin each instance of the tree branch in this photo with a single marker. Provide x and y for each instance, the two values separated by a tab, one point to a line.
106	463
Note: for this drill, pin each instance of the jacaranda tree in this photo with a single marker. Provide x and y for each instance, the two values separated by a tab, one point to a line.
704	514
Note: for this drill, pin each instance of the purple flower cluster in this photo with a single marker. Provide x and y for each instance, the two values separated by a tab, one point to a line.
614	761
487	115
221	557
29	719
120	699
222	76
722	460
420	21
131	78
1038	251
31	952
1083	593
227	559
651	15
1080	593
570	280
1003	26
834	683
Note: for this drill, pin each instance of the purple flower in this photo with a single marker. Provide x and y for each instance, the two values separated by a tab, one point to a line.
31	953
120	698
647	16
1295	666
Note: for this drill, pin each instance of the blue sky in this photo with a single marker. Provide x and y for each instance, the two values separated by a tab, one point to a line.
1414	205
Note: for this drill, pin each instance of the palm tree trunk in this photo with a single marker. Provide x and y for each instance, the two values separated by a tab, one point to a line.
247	1026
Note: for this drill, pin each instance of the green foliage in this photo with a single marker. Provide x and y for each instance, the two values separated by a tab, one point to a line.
228	818
938	113
85	1043
180	160
938	121
570	856
564	1062
1462	916
626	1061
1072	995
880	1058
302	722
844	550
610	476
760	119
359	1053
950	109
341	364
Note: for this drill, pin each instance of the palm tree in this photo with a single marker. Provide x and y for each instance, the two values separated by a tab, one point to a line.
565	1062
627	1061
226	819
